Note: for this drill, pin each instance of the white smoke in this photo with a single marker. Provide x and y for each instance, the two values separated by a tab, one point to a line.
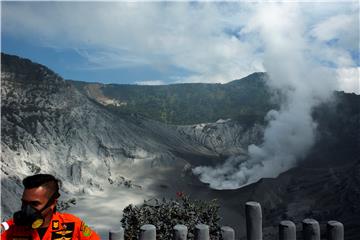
290	131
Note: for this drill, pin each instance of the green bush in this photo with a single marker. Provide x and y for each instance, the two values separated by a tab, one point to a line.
165	214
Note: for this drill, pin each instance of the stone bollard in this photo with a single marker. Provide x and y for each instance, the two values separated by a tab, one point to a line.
287	230
148	232
227	233
335	230
311	229
116	234
181	232
202	232
253	221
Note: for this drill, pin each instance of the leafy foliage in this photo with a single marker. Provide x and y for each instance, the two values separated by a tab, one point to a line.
165	214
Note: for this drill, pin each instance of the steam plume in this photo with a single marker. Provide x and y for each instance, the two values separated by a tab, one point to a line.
290	131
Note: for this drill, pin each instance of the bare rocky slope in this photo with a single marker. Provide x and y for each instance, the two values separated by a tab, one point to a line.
48	126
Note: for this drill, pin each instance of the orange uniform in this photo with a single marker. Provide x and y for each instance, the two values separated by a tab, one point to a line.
63	226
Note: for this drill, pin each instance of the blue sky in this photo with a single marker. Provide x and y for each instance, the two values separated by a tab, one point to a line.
173	42
70	64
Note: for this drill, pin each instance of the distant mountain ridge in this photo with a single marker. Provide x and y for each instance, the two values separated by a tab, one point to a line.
246	100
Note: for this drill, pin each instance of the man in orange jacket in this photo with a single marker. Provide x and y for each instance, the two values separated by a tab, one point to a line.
38	218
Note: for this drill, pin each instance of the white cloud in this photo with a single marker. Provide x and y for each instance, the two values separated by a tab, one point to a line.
330	28
100	59
349	80
189	36
151	82
211	40
339	28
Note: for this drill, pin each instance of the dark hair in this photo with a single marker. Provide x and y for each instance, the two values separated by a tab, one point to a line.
46	180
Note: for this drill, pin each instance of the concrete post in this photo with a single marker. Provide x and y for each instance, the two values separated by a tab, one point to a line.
227	233
116	234
148	232
287	230
311	229
202	232
181	232
253	221
335	230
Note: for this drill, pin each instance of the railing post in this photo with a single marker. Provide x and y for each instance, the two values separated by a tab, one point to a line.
287	230
148	232
227	233
181	232
335	230
202	232
116	234
253	221
311	229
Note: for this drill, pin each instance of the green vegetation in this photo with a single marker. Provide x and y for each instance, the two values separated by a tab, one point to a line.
166	214
246	100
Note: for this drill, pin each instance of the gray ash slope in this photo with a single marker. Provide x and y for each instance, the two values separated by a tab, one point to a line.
49	126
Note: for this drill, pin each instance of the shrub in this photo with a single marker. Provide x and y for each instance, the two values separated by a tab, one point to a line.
165	214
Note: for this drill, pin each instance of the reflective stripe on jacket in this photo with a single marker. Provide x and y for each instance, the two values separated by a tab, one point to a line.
63	226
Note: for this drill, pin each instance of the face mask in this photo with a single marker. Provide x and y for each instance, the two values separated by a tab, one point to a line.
29	216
